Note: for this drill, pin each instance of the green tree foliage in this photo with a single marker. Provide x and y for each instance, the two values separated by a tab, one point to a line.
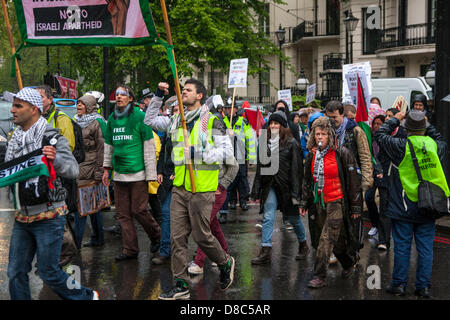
204	32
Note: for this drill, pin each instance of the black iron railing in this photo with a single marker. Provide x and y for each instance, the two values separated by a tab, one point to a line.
416	34
314	29
332	61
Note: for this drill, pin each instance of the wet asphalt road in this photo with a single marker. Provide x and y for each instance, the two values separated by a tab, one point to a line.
284	279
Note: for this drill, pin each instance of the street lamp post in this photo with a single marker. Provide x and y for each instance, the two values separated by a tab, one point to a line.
302	82
350	25
281	33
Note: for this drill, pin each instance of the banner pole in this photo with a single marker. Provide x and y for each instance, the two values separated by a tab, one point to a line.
177	90
232	108
11	43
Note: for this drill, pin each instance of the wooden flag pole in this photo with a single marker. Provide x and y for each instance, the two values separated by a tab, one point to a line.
11	43
178	91
232	108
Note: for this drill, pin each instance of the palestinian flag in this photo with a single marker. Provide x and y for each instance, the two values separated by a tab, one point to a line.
33	164
362	114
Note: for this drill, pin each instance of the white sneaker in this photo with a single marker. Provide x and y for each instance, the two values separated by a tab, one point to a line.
373	231
195	269
95	296
333	259
382	246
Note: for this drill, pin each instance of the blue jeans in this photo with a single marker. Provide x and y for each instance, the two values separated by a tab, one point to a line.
164	250
402	233
43	238
97	235
270	208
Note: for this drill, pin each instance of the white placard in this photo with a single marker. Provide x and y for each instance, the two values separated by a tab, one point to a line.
352	84
286	96
364	67
310	94
237	77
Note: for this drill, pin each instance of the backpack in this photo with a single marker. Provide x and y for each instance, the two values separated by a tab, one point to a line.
78	150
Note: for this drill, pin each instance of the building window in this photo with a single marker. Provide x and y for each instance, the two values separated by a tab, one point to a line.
201	76
333	10
264	83
424	69
332	85
370	37
431	18
399	72
215	81
263	21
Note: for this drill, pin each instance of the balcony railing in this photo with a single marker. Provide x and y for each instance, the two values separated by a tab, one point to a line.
416	34
314	29
332	61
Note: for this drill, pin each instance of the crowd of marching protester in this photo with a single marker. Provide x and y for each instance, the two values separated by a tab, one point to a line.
178	181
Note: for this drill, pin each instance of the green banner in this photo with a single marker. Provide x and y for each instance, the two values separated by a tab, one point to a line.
86	22
105	23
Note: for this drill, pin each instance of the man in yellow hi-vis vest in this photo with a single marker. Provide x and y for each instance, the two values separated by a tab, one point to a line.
407	221
244	144
190	212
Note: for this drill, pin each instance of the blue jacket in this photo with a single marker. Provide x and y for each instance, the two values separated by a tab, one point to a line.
305	136
400	207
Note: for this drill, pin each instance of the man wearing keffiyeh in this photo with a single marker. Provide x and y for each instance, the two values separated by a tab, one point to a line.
208	146
331	184
40	219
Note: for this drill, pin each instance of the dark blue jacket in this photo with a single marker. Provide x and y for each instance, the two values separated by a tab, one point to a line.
399	206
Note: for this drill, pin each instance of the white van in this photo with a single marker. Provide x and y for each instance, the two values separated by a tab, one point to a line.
388	89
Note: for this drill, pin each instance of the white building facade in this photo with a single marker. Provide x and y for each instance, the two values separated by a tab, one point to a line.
396	36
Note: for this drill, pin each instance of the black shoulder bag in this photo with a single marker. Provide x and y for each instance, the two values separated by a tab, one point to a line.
433	203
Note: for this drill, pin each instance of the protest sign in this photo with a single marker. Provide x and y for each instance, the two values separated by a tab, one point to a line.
359	68
351	79
92	197
310	93
68	87
237	77
286	96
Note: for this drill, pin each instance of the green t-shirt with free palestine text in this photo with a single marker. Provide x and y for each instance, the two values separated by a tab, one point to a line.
127	136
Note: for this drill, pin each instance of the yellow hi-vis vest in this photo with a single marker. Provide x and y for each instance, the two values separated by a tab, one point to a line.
65	130
429	164
246	140
206	176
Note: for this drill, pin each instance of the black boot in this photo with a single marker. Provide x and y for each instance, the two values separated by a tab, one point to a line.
263	257
302	250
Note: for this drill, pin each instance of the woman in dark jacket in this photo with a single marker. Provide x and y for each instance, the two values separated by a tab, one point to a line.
91	169
331	184
381	225
278	184
281	105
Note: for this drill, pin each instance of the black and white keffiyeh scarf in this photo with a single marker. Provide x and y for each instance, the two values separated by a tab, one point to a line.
24	142
318	175
86	119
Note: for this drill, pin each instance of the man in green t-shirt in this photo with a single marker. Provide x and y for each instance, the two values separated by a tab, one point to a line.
130	152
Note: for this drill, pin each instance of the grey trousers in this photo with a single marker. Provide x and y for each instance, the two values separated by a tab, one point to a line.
192	213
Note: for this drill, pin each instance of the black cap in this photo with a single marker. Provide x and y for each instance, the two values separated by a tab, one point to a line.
419	98
279	117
